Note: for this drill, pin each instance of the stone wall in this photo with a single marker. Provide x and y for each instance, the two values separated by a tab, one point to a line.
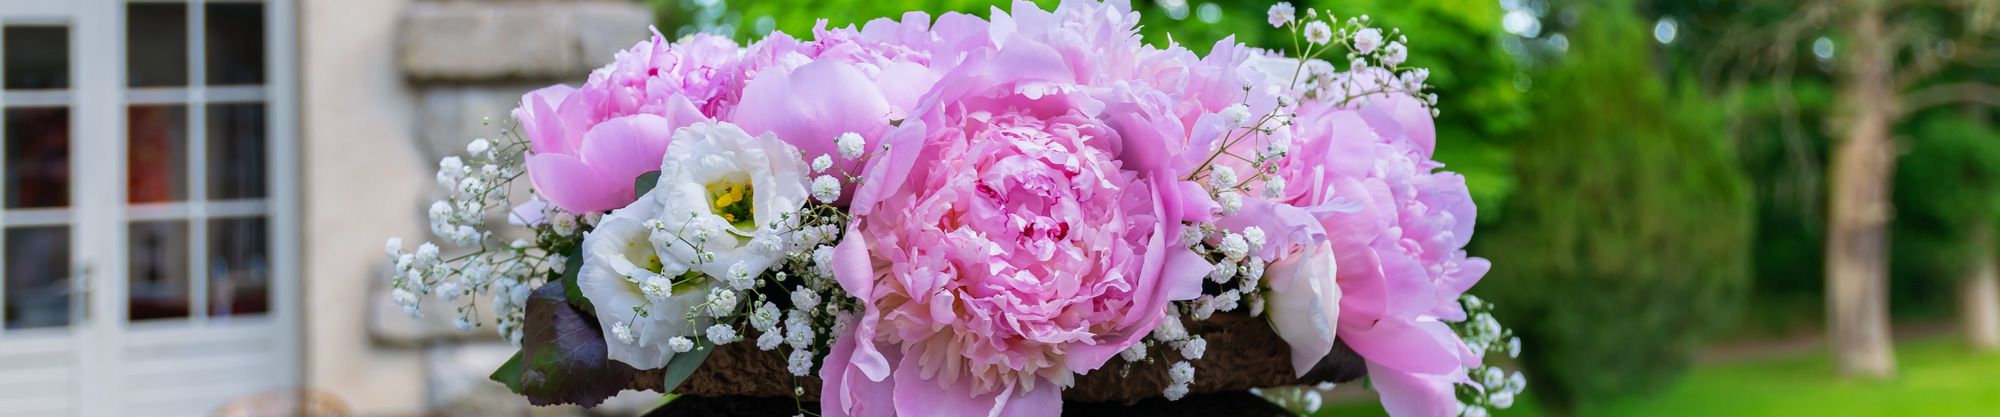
390	86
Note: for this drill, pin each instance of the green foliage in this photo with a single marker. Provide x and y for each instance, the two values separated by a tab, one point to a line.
1479	106
1947	193
683	365
509	373
1936	377
1626	242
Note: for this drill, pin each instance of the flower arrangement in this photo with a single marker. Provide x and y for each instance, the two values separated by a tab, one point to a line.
960	216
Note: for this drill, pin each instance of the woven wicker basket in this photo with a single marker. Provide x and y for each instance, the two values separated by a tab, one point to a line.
1243	353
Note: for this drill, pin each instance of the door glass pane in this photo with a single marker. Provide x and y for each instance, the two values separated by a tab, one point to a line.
37	57
156	160
239	268
37	263
235	43
156	41
37	157
236	151
159	282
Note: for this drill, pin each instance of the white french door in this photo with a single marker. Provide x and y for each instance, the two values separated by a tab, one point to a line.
148	244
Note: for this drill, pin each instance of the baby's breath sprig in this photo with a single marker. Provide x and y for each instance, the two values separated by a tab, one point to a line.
1491	387
479	186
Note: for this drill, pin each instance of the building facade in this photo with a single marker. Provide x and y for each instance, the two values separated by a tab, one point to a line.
196	194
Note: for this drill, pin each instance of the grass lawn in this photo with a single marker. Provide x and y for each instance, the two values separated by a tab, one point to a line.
1939	377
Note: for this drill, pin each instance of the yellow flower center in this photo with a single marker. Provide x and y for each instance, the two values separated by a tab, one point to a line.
732	199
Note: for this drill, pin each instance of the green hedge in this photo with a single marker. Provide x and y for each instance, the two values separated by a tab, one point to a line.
1627	241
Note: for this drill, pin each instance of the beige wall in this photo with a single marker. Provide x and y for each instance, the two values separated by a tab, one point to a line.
363	176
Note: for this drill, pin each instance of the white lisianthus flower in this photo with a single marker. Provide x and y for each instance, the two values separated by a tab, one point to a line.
721	189
619	264
1304	303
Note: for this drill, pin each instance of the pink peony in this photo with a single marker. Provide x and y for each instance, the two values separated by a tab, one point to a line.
589	143
1024	226
1398	228
810	92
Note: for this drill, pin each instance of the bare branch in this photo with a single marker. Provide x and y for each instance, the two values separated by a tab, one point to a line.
1967	92
1979	26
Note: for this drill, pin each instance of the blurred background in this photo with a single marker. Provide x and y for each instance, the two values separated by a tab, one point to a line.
1695	207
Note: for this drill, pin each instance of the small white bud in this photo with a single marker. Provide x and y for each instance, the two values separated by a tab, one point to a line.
825	188
1367	40
800	363
822	163
721	334
1231	202
1319	33
1236	114
393	247
1254	236
850	145
680	344
721	302
770	339
1193	349
1274	187
1134	353
1234	246
623	332
1224	178
1181	373
478	147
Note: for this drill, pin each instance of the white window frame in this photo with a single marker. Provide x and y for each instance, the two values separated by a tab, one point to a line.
98	100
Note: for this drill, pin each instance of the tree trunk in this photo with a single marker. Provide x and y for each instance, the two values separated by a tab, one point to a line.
1979	293
1859	210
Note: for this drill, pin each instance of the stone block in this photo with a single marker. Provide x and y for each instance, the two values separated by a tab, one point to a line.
452	115
484	41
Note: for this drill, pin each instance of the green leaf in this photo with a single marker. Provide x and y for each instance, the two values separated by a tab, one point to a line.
509	373
683	365
645	183
564	354
572	272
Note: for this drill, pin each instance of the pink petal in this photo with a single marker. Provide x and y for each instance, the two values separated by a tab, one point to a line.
811	106
1423	347
566	182
1411	395
846	391
855	271
621	149
1044	400
917	396
539	120
1304	304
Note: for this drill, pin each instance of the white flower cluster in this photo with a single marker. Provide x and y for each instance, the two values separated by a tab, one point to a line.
1238	270
1491	388
477	186
1375	58
1302	400
1173	335
795	304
